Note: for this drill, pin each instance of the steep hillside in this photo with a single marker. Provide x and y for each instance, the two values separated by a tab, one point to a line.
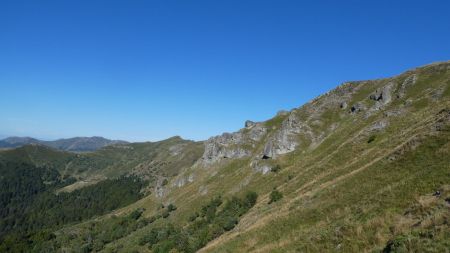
349	165
362	168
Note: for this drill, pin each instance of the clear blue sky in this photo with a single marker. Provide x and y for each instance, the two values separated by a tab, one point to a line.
148	70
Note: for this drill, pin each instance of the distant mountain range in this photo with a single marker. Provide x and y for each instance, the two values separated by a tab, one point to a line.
76	144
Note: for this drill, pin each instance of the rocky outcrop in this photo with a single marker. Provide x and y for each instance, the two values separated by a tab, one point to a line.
358	107
183	180
249	123
285	139
233	145
409	81
382	96
394	112
379	125
260	166
224	146
257	131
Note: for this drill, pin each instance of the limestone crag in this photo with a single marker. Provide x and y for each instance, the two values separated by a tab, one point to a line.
383	95
232	145
409	81
285	139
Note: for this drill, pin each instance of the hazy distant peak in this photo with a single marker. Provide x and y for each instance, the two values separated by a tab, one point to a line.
70	144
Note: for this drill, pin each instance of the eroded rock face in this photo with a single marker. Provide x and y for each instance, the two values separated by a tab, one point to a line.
182	181
285	139
224	146
383	95
257	132
231	145
260	167
409	81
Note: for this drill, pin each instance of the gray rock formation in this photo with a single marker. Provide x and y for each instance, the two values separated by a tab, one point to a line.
233	145
183	180
409	81
285	139
257	132
358	107
260	167
379	125
223	146
249	123
383	95
394	112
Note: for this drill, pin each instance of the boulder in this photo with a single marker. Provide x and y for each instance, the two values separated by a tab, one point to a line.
249	123
358	107
383	95
379	125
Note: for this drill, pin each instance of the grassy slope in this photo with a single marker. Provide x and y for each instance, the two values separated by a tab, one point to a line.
345	193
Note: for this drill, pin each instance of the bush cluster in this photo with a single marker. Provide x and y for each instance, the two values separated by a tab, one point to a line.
212	220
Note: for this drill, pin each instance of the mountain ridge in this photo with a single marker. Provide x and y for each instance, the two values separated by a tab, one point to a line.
75	144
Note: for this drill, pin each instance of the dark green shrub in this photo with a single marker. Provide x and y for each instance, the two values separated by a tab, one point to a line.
171	207
193	217
275	168
165	214
230	223
251	198
151	219
136	214
275	195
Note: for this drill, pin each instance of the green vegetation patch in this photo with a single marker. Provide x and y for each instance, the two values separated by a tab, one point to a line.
211	221
31	210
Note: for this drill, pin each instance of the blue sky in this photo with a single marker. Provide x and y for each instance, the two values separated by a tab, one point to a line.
148	70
